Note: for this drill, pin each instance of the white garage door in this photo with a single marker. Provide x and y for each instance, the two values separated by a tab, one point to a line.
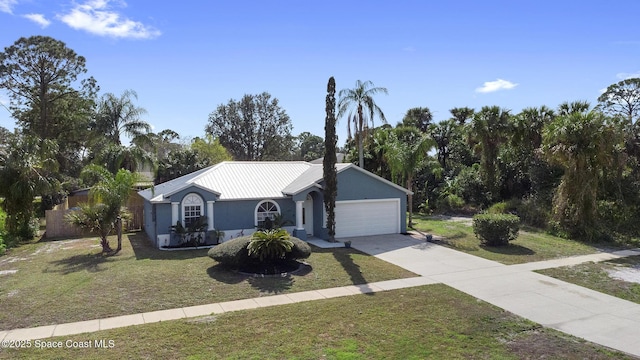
367	217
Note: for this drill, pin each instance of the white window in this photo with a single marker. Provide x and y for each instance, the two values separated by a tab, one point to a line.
192	209
266	209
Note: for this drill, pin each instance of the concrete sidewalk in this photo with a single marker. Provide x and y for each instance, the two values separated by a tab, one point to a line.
581	312
88	326
588	314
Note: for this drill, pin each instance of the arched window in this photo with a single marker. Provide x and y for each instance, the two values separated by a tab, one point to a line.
192	209
266	209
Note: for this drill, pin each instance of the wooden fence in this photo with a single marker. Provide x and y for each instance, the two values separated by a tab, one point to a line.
58	227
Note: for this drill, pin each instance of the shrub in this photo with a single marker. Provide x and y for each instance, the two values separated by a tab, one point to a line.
504	207
270	245
533	212
498	208
618	217
471	187
300	250
450	203
235	253
496	229
3	246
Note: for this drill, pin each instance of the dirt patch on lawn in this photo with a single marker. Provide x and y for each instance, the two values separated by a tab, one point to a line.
53	246
626	273
537	344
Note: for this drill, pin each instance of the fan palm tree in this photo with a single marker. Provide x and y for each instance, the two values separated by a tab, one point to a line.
360	108
568	108
419	117
488	130
442	134
585	145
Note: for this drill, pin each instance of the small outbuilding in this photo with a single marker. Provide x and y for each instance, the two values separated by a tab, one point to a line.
238	197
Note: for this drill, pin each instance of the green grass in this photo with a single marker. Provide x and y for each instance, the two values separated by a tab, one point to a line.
595	276
531	245
67	281
430	322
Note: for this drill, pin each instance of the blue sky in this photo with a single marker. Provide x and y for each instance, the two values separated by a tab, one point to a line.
184	59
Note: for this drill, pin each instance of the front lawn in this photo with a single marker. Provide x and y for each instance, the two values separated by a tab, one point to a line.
531	245
69	280
429	322
596	276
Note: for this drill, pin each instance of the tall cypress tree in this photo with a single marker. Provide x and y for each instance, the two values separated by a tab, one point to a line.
329	162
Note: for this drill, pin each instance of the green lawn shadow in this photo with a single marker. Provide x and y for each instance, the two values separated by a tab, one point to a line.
82	262
343	256
510	249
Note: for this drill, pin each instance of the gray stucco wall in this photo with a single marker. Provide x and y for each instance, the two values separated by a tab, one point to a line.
231	215
149	223
205	195
163	218
235	215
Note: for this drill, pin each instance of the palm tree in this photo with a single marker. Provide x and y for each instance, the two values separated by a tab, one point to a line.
442	133
361	108
568	108
461	115
528	125
117	117
405	151
488	130
419	117
27	169
108	196
133	158
585	145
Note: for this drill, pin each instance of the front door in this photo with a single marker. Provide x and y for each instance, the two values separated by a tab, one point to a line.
307	215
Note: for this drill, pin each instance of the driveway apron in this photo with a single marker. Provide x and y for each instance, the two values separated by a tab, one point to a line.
588	314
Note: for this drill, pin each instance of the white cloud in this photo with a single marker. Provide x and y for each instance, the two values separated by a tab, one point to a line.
7	5
499	84
409	49
38	19
96	17
624	76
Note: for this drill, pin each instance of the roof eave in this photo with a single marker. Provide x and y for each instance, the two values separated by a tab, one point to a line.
315	184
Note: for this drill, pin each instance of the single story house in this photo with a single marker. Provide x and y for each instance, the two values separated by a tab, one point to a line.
237	197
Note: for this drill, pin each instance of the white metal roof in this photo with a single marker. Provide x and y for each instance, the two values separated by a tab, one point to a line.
237	180
309	178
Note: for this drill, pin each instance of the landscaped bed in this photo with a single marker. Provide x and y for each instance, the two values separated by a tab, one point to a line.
531	245
435	322
620	277
69	280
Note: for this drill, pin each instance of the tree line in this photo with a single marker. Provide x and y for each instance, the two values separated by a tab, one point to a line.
573	168
63	126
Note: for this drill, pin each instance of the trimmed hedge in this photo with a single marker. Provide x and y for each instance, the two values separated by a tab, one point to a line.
234	253
496	229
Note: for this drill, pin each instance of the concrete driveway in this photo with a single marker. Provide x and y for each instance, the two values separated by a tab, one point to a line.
588	314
